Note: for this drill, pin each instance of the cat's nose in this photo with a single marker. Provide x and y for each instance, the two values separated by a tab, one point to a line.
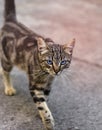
56	72
56	68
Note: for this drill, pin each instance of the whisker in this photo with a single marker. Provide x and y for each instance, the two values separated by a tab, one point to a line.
67	75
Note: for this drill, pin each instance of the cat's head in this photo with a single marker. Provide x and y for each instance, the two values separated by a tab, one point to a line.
54	58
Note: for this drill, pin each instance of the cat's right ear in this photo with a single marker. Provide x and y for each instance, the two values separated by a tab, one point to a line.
42	47
69	47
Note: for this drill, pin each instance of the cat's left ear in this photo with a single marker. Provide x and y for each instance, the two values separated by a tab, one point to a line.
42	47
69	47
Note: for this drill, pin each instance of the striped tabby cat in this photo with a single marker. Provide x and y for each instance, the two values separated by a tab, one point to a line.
39	57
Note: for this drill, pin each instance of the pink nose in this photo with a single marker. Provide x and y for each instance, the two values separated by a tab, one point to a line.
56	68
56	71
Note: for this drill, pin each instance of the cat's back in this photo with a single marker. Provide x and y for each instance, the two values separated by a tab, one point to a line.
16	29
17	42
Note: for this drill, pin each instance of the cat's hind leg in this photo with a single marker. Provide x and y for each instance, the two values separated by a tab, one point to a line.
6	69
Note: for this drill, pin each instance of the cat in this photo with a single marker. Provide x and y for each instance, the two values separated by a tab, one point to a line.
41	58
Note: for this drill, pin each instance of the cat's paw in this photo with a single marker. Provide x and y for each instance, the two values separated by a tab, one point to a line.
0	70
10	91
49	125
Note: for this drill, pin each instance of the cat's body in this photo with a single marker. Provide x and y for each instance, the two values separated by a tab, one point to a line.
39	57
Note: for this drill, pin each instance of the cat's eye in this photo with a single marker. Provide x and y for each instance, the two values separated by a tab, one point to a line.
49	62
63	62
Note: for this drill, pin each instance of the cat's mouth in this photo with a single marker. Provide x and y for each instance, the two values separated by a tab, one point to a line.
54	73
58	73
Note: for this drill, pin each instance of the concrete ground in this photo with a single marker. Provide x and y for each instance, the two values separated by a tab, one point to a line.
76	97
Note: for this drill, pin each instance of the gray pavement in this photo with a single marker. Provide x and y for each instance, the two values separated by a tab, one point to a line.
76	98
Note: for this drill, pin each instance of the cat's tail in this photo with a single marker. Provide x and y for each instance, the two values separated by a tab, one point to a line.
9	11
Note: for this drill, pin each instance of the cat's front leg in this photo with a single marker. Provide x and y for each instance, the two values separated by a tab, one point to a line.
40	101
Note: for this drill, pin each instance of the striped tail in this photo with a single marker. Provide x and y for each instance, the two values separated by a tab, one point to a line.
9	11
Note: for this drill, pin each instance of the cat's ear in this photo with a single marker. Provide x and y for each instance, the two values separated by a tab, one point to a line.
68	48
42	47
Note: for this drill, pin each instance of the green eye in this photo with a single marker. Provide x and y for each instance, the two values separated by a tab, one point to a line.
49	62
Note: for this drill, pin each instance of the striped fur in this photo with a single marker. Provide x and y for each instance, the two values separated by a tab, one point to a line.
39	57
